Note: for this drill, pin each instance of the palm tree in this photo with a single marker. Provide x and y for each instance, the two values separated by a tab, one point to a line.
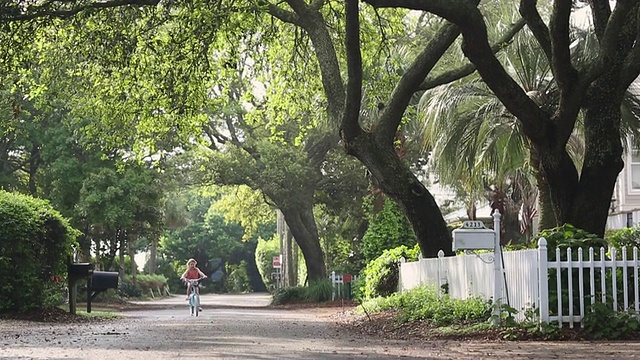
477	143
478	147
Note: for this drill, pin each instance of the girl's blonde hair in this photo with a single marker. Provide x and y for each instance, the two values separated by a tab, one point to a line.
192	261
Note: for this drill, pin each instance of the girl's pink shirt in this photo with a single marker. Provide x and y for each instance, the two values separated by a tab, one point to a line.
192	274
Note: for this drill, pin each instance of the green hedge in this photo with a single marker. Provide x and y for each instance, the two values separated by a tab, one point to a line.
381	275
35	241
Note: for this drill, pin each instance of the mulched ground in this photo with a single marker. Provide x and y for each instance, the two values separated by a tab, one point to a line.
53	315
58	315
384	325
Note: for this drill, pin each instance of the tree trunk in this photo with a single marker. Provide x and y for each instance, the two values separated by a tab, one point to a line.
397	181
153	253
134	266
302	224
85	246
471	211
34	164
558	177
602	164
121	244
288	271
294	262
559	173
547	219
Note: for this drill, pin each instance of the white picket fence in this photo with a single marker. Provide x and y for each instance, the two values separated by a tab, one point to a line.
594	279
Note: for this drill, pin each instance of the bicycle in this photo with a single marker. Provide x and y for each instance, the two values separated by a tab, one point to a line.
194	296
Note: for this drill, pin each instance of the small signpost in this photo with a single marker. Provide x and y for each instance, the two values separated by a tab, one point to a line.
473	235
276	262
277	275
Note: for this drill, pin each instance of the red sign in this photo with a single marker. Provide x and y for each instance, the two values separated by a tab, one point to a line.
276	261
346	278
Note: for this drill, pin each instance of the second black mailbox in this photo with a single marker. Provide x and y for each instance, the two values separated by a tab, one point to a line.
103	280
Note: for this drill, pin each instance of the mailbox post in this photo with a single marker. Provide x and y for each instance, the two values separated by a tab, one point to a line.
473	235
346	280
97	281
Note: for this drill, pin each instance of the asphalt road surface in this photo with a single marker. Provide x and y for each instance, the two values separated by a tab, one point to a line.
241	327
229	327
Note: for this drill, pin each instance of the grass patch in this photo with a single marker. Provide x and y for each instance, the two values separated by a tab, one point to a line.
99	314
464	330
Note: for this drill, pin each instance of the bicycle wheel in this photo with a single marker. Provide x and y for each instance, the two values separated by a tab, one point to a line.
192	304
196	301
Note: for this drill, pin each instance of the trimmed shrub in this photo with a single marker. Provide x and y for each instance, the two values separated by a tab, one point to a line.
265	251
289	294
149	283
388	229
35	241
238	278
381	275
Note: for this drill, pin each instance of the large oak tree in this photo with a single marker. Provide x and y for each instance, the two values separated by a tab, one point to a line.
593	89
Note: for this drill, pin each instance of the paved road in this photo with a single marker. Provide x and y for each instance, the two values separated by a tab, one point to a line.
240	327
230	327
255	300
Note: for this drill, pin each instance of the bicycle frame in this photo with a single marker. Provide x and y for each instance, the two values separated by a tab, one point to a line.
194	296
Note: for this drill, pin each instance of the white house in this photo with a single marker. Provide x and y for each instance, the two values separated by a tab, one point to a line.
625	203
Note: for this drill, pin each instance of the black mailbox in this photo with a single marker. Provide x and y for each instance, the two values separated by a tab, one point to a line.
103	280
78	271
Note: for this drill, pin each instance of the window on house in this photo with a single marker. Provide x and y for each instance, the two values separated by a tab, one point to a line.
635	167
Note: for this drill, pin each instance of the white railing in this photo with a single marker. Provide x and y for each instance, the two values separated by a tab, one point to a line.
594	279
472	275
591	285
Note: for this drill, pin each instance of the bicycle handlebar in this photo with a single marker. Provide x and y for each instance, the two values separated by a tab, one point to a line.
194	280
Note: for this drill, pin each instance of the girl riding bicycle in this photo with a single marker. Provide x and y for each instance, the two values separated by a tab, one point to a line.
192	273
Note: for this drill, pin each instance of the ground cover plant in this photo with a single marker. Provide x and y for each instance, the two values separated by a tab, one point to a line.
423	313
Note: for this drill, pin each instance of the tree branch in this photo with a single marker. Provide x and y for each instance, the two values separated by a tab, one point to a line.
564	72
601	11
411	80
299	6
468	69
317	4
611	40
350	127
314	24
537	26
317	150
476	47
47	9
283	15
631	66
